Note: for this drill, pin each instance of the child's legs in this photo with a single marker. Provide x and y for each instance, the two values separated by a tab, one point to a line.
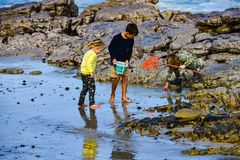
177	73
84	91
124	86
92	88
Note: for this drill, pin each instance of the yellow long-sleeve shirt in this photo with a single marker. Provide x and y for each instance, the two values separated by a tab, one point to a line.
89	62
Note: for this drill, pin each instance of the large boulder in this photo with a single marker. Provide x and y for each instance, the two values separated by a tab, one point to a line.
134	13
120	10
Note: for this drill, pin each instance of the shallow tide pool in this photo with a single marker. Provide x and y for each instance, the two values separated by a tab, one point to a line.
41	120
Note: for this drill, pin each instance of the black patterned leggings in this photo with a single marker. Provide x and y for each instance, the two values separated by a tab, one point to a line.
88	85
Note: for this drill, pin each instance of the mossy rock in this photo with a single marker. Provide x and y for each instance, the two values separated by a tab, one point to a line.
223	29
2	70
191	152
188	114
35	73
13	71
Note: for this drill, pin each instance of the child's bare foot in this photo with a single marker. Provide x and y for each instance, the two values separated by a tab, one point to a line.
111	100
83	105
94	106
127	100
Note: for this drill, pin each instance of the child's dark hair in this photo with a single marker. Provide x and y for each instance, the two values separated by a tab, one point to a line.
173	59
132	29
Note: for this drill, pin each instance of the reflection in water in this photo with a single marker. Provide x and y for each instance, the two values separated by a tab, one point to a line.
123	147
90	144
177	99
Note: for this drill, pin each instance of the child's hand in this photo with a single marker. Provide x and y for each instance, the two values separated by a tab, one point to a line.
182	66
114	61
92	75
166	86
126	62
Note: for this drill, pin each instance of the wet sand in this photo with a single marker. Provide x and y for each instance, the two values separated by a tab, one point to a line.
41	120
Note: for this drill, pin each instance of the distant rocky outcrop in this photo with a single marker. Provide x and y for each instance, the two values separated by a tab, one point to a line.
35	17
220	22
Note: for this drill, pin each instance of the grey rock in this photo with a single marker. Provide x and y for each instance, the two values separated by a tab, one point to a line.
202	37
231	45
134	13
199	49
223	57
175	16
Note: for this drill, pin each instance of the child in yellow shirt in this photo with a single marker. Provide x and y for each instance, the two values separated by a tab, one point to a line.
88	66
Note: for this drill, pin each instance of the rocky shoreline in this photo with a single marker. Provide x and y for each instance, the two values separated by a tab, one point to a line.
54	32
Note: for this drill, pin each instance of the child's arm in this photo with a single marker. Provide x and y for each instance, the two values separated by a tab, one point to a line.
112	47
129	52
91	63
169	75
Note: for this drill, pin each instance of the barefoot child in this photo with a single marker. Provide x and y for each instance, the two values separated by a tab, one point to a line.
87	73
120	50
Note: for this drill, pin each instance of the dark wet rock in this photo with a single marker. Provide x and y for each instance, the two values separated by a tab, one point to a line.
168	108
35	73
147	126
24	82
139	108
33	146
18	102
32	99
38	156
67	88
22	145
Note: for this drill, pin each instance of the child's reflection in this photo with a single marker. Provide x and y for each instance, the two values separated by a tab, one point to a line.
122	147
170	98
90	144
